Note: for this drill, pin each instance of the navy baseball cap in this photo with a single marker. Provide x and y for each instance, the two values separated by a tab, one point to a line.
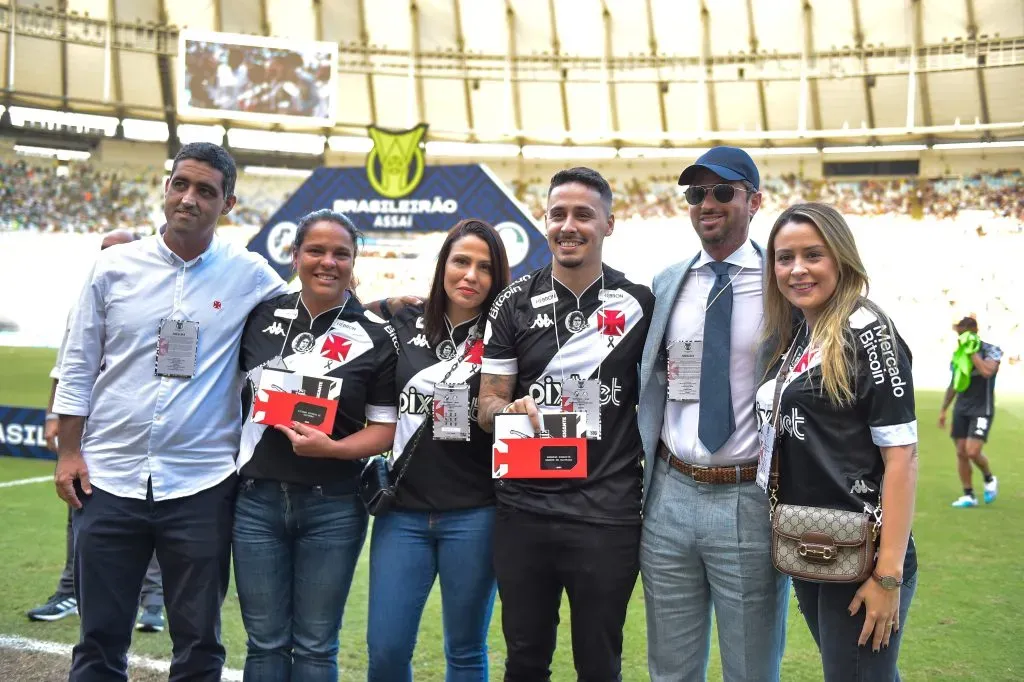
729	163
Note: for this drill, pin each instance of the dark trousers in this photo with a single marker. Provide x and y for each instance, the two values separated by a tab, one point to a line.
835	632
152	584
114	540
535	559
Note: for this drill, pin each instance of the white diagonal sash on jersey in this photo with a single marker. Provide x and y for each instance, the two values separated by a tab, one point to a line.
583	352
423	383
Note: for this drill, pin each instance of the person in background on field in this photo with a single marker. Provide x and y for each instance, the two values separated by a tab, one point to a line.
847	438
147	447
63	603
442	522
973	386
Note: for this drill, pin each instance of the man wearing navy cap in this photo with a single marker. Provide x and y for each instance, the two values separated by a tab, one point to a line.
706	540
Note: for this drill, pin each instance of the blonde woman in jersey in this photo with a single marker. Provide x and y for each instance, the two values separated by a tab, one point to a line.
847	430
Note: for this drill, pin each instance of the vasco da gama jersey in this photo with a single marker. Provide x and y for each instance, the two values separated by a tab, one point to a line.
830	456
442	475
346	342
541	332
979	400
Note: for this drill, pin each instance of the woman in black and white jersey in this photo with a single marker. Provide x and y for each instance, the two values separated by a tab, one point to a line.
441	523
299	523
847	430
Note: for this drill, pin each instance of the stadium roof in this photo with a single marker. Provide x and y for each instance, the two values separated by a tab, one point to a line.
622	72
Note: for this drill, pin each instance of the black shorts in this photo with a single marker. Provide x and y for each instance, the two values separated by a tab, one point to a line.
975	428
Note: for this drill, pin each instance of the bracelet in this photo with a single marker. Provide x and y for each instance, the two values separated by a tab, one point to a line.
385	311
50	416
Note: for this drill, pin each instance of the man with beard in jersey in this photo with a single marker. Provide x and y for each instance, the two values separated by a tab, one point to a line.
579	322
706	536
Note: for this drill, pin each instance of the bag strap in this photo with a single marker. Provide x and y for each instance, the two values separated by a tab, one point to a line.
780	381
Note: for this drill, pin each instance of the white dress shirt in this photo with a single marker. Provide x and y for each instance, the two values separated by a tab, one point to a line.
55	372
181	433
679	431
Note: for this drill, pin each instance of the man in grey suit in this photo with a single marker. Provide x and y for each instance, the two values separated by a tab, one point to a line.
706	536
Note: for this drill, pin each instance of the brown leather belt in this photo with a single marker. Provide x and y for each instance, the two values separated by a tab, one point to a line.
713	475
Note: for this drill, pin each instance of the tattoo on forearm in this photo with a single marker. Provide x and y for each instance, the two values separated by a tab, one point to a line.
495	393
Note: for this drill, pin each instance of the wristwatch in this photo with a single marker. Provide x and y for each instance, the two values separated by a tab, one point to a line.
888	582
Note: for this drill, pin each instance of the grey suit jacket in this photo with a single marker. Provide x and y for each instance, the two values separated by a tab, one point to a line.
654	363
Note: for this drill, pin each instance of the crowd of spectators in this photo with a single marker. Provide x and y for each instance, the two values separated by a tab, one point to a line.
82	197
1001	192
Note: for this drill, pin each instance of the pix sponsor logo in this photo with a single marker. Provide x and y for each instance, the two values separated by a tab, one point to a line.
792	423
548	392
414	402
881	350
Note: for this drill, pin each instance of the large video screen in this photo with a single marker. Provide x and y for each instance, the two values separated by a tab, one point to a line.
252	78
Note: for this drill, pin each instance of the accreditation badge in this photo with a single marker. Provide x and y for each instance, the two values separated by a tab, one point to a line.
684	358
177	347
451	411
766	437
584	395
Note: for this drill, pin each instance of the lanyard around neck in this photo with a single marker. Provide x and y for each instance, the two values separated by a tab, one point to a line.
554	314
298	300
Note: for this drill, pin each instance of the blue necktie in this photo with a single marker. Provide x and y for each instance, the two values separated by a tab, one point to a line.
716	422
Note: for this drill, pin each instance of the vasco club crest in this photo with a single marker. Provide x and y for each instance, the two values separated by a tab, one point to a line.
395	165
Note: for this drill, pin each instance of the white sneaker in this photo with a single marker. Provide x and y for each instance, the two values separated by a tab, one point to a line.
966	501
991	490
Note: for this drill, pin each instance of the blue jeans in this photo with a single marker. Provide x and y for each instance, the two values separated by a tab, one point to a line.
708	547
836	632
408	550
295	551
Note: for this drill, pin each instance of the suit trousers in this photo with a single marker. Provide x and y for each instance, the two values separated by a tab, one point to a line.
707	548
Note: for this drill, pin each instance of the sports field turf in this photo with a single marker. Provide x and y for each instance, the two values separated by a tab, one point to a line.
965	623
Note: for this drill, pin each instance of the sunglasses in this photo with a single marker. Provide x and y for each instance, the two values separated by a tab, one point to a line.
723	194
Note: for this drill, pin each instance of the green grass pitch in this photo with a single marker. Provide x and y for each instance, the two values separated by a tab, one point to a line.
965	623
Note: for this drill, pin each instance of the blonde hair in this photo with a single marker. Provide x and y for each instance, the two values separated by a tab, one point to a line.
831	332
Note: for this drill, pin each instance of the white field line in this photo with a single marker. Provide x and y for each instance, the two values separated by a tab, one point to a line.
39	646
26	481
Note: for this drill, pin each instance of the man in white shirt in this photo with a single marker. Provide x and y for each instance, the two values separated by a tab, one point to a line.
63	603
706	537
152	362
